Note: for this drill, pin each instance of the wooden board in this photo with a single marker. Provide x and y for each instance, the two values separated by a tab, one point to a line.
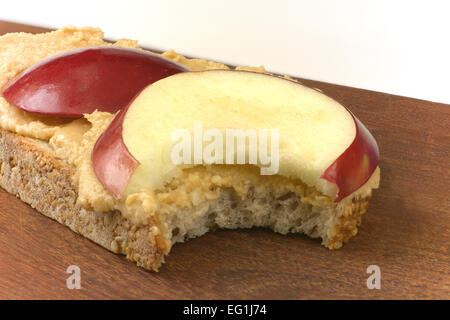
406	232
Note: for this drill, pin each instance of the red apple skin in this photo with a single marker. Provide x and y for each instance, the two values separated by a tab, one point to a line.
84	80
356	164
113	164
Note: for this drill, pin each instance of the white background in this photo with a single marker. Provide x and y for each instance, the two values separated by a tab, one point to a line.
399	47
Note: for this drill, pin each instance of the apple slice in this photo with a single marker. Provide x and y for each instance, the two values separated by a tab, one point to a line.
80	81
320	141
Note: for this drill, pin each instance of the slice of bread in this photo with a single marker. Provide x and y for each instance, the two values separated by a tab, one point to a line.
31	171
42	172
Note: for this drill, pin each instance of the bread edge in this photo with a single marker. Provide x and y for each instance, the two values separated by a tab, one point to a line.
44	181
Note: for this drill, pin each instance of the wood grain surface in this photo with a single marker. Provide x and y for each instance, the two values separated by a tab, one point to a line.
406	232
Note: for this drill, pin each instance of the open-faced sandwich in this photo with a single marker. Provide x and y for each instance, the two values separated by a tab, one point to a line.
137	151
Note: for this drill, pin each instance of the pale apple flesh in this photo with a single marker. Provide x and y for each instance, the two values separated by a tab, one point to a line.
81	81
321	142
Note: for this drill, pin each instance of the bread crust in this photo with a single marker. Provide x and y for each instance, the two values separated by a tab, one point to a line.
40	179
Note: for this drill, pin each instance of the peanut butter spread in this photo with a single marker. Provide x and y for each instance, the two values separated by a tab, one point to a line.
73	140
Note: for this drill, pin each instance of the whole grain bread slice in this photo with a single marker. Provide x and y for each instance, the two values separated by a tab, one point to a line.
30	171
